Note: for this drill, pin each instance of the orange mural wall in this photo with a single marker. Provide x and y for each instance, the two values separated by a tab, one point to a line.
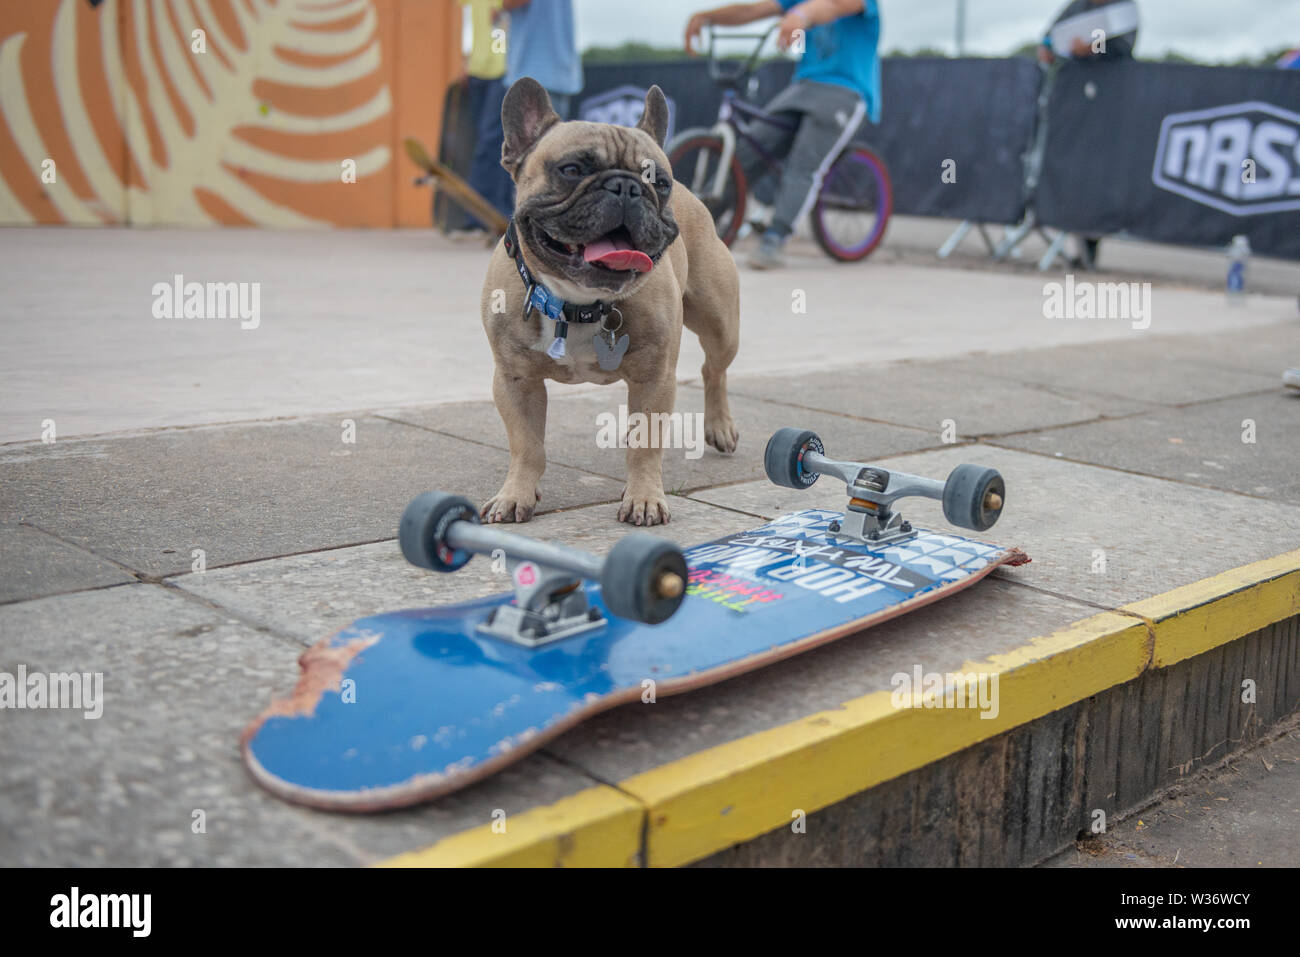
287	113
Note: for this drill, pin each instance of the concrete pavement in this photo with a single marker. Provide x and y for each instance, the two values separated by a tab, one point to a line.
1116	442
355	320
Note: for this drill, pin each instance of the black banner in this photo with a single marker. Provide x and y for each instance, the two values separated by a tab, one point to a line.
978	113
693	98
1175	153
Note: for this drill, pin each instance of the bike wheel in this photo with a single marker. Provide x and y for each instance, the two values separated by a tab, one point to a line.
853	208
695	162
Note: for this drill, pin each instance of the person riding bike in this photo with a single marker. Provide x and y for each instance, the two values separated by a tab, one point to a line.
836	85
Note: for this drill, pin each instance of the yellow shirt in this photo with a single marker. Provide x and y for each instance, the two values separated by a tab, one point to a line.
483	62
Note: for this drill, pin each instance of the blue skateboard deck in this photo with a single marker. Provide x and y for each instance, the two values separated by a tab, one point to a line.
407	706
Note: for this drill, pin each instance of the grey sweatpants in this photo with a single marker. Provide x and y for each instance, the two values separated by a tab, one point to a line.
827	117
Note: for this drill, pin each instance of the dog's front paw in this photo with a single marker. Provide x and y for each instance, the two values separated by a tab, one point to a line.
511	505
643	507
721	433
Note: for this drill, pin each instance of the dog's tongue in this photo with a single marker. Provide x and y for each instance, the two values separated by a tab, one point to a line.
617	254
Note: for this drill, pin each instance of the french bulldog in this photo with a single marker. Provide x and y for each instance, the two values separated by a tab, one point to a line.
600	225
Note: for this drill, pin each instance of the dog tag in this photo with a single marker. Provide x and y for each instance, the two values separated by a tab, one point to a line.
609	353
556	349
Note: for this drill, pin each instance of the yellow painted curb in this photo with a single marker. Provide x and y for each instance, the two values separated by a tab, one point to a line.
732	793
597	827
739	790
1197	618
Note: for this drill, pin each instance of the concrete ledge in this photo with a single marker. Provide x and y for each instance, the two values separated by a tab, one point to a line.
1021	797
1192	620
598	827
739	790
713	800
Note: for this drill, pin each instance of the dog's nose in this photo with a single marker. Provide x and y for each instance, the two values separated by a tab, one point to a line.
618	184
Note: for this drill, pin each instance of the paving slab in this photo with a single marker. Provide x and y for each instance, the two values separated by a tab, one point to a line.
1249	445
1257	349
124	788
1153	534
929	395
1162	370
33	564
180	681
993	393
574	423
348	320
250	491
313	595
361	319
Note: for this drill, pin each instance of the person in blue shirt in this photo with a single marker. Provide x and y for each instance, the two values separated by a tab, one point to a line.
836	87
543	44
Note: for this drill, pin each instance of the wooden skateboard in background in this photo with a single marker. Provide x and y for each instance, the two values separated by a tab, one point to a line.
449	183
405	706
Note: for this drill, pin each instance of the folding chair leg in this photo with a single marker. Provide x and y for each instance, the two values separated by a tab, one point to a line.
1055	248
1014	237
953	241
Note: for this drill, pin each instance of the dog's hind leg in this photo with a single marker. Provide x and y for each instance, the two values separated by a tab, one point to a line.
712	312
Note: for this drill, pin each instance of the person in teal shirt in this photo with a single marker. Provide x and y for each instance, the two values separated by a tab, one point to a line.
543	44
836	87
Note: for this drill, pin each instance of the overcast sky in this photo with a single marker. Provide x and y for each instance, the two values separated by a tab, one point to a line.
1210	30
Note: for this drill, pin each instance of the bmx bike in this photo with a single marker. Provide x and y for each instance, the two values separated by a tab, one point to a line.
853	205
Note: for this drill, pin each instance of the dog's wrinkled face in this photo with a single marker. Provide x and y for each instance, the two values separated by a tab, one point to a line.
591	203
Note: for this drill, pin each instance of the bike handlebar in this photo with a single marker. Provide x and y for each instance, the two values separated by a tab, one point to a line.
747	67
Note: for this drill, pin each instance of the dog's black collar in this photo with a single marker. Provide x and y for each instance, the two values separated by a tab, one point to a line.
537	296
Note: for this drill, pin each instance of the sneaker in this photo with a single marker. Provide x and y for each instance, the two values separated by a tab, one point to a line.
1291	378
1086	260
768	255
468	234
758	214
1090	247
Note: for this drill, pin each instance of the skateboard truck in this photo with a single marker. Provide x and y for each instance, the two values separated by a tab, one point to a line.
972	496
642	578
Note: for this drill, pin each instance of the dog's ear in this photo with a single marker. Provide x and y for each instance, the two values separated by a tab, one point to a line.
654	118
526	114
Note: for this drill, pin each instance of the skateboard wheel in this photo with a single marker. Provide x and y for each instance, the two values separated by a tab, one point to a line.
783	457
424	527
973	497
644	579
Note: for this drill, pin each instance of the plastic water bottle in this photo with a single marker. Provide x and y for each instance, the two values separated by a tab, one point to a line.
1238	258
